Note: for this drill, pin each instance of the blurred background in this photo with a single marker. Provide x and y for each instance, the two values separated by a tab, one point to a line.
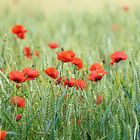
52	6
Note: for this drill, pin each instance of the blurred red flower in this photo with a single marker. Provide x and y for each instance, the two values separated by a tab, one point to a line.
65	56
69	82
17	76
78	62
72	54
19	31
1	69
17	86
36	53
126	8
99	99
95	66
2	134
27	52
96	75
117	57
53	45
59	81
80	84
115	27
30	74
18	117
52	72
18	101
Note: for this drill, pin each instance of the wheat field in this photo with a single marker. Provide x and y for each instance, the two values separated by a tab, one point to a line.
70	70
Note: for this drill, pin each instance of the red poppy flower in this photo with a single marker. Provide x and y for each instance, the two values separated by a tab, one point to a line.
17	76
18	101
117	57
52	72
99	99
1	69
36	53
69	82
18	117
72	54
97	75
115	27
95	66
2	134
126	8
65	56
59	81
27	52
80	84
30	74
19	31
78	62
17	86
53	45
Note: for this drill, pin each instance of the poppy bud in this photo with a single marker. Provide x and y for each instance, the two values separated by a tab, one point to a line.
18	117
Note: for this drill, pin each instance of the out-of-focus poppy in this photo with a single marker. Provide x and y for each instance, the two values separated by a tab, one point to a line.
2	134
17	86
72	54
80	84
36	53
1	69
95	66
117	57
78	62
116	27
27	52
53	45
52	72
18	101
17	76
69	82
126	8
19	31
59	81
66	56
18	117
97	75
30	74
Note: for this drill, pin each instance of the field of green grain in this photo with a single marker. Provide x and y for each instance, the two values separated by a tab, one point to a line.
61	112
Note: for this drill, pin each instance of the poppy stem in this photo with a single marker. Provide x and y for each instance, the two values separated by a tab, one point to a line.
74	71
61	71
